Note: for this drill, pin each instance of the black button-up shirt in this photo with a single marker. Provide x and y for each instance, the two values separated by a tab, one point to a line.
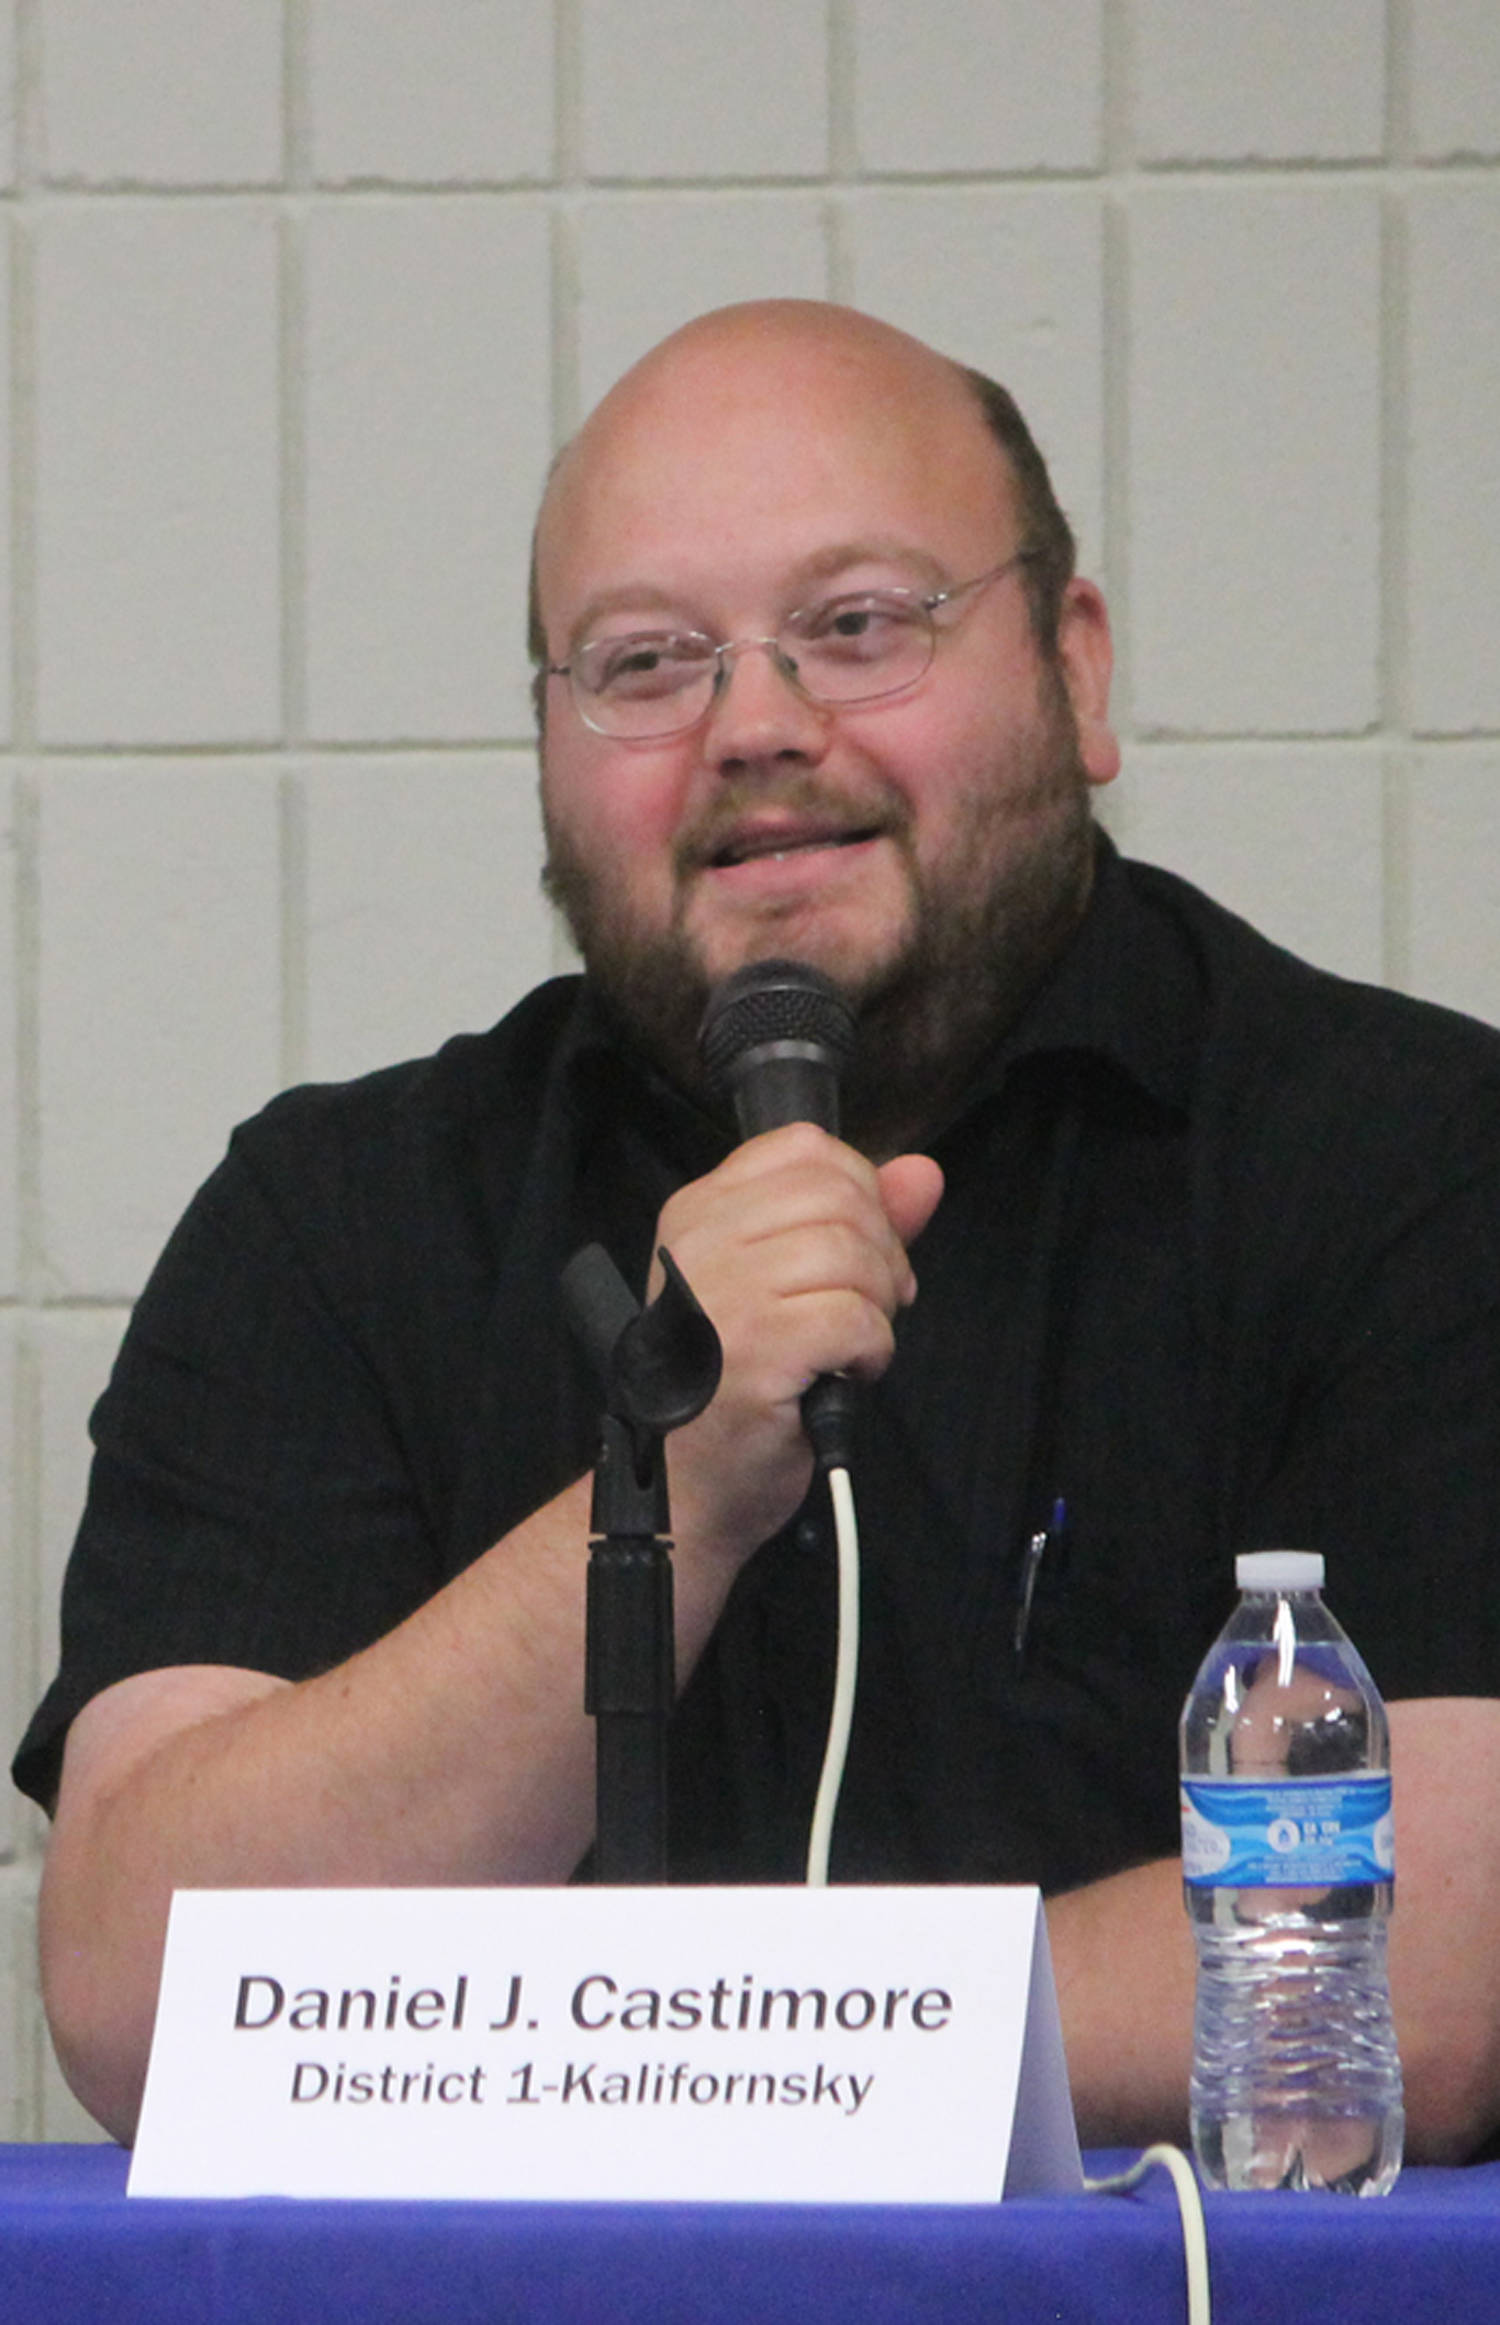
1217	1268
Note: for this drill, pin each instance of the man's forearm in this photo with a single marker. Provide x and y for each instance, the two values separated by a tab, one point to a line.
1123	1956
454	1750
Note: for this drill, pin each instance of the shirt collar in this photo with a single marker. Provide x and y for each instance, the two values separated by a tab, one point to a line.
599	1062
1124	991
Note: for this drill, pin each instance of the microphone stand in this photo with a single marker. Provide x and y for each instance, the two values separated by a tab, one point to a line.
659	1367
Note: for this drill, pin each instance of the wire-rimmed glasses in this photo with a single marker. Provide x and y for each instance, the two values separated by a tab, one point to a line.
860	646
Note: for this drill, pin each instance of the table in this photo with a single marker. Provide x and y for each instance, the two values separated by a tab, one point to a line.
74	2249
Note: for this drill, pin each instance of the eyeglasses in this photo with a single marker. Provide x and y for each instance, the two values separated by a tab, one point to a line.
862	647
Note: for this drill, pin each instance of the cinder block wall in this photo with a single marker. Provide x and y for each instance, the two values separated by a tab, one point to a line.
300	294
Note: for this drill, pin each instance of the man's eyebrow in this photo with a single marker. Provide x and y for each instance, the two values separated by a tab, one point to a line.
805	573
876	549
636	596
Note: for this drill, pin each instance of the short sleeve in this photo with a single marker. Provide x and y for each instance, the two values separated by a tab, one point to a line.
1386	1452
250	1501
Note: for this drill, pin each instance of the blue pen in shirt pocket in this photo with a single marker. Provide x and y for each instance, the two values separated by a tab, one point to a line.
1048	1537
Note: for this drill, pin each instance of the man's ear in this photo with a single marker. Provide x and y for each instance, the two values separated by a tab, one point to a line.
1087	655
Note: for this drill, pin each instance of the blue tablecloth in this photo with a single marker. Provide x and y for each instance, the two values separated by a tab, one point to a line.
72	2247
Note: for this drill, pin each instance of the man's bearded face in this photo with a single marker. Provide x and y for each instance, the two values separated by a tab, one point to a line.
984	917
929	849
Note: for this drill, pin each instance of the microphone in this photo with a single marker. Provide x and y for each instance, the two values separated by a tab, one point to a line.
776	1036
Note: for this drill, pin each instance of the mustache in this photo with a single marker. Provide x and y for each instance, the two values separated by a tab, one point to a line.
878	811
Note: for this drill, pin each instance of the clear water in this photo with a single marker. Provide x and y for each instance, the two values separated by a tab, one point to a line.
1296	2081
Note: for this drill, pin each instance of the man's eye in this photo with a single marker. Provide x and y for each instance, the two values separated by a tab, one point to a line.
855	629
632	662
644	666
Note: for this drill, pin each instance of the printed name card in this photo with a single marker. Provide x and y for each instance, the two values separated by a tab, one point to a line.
853	2045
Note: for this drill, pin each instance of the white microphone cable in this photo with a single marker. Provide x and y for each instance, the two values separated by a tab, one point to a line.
1190	2213
845	1676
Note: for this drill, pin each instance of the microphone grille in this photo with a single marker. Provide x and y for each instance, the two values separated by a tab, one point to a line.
771	1002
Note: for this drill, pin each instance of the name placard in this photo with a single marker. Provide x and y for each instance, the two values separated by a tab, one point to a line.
763	2045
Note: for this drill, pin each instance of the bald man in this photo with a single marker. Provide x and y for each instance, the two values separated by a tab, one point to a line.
1205	1241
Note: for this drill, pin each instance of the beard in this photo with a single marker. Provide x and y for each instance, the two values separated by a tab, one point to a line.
987	920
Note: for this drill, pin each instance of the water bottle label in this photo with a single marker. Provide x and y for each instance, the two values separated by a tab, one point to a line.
1308	1832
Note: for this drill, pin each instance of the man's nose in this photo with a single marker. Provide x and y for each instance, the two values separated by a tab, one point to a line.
759	712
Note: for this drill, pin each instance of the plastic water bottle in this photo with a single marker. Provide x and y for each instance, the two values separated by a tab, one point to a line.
1287	1862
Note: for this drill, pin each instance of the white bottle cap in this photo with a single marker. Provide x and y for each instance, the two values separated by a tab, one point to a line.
1279	1570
